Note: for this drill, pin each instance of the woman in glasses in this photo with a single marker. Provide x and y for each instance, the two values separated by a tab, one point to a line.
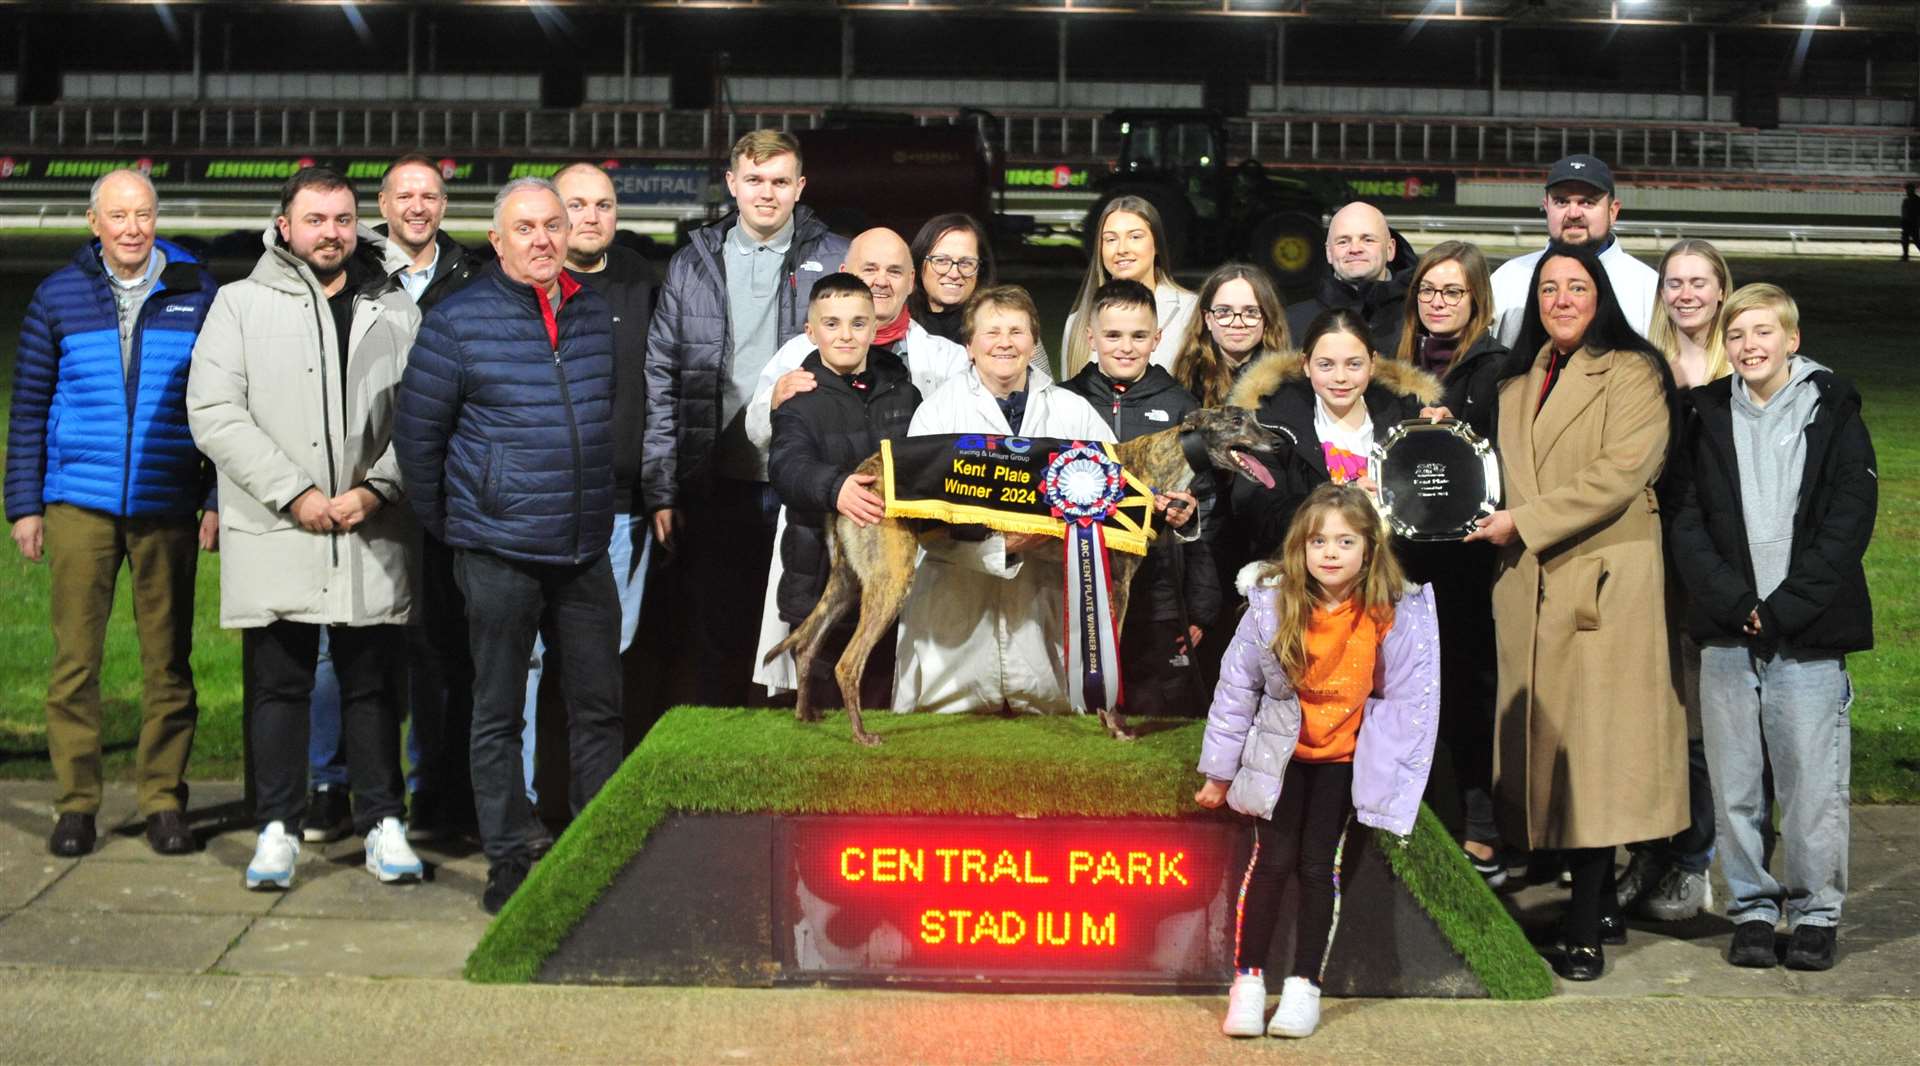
1132	246
1448	333
953	258
1240	317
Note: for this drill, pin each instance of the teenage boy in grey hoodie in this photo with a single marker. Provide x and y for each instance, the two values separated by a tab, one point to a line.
1776	509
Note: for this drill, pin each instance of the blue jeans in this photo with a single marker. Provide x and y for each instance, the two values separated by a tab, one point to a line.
629	582
1793	715
326	755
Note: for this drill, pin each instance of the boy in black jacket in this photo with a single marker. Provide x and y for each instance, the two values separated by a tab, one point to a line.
1776	508
1176	594
864	394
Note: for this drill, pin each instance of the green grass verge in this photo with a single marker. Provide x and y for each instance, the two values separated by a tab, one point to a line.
700	759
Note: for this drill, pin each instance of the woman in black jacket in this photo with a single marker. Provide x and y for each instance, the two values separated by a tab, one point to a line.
952	259
1448	332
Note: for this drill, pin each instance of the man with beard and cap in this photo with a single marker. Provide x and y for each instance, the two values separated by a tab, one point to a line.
291	394
413	201
631	285
1367	270
1581	208
881	259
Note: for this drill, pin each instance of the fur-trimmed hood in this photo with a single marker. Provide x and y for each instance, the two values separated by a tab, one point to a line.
1275	369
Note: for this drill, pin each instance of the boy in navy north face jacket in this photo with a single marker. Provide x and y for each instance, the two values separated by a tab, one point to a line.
101	467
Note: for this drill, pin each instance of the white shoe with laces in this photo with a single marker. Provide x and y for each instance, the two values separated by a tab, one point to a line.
273	857
389	857
1246	1006
1299	1013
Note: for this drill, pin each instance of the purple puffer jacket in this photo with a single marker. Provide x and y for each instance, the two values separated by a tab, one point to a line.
1255	720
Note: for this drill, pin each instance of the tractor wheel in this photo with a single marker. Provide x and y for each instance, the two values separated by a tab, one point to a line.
1288	245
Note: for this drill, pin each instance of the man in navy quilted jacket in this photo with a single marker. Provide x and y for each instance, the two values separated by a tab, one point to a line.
505	441
102	468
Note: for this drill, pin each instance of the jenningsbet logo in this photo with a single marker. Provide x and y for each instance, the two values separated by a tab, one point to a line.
1410	187
254	169
376	169
85	169
1060	177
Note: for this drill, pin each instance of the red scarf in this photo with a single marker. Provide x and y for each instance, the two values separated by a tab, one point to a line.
893	331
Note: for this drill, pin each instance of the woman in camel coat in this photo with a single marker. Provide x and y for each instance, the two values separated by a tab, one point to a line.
1590	748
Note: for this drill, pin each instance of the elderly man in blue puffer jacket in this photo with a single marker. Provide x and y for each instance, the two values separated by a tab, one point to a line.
101	467
505	441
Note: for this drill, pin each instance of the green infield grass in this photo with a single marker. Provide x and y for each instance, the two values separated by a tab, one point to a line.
1858	317
710	760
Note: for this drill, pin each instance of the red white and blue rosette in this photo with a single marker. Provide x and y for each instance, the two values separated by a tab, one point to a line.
1083	486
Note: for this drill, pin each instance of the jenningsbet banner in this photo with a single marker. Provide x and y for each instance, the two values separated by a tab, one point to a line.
635	181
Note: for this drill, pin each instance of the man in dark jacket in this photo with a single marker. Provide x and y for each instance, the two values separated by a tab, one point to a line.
101	468
734	294
863	394
630	285
1367	269
1776	511
506	443
1176	595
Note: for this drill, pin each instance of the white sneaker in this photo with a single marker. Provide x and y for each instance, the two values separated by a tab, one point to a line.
389	857
273	858
1246	1006
1299	1013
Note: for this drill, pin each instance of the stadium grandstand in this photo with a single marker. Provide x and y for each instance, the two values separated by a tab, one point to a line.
1776	108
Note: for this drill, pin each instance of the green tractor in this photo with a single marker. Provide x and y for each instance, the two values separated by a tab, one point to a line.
1174	158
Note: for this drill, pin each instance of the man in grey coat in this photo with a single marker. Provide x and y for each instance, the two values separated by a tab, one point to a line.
291	394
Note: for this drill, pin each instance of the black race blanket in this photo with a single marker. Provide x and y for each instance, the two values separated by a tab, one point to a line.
1017	485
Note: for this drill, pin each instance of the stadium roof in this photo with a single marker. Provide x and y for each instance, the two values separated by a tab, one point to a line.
1731	14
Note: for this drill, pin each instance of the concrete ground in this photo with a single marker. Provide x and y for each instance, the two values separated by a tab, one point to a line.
125	956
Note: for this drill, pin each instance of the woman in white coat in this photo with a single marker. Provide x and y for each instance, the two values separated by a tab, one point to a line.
1132	247
982	625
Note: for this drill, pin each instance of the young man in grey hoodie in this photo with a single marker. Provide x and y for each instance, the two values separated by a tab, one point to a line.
1776	507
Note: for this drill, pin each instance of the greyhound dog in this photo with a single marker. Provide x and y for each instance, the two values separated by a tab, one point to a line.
874	565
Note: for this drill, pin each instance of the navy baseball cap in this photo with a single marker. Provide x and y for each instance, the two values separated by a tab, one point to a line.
1585	169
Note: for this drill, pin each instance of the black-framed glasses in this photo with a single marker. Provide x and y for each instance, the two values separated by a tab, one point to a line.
1450	295
1227	316
966	266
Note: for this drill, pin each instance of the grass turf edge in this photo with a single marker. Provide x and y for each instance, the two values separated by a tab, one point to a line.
730	760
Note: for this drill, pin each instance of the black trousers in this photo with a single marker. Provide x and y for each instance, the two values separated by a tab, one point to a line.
440	676
280	662
1303	837
1593	894
576	607
1150	682
1462	576
723	544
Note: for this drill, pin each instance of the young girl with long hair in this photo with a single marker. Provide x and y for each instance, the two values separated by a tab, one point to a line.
1238	316
1131	244
1325	714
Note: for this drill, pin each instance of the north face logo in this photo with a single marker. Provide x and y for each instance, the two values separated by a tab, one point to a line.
1156	415
812	265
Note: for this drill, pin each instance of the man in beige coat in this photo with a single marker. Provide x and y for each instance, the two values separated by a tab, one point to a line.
1590	748
291	394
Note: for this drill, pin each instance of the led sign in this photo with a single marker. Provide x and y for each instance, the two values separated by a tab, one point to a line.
1143	898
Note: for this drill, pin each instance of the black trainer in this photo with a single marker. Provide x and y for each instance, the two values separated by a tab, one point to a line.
329	816
1753	945
503	880
1811	948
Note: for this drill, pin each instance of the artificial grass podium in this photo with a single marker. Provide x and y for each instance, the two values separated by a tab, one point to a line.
729	762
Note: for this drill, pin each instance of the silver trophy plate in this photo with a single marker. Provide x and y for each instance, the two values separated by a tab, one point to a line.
1436	479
